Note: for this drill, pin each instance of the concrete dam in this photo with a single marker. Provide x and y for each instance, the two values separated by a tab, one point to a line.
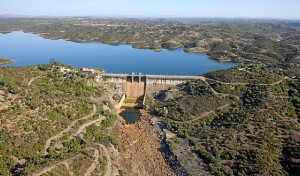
137	86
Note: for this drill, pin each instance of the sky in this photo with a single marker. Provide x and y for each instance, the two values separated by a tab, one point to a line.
286	9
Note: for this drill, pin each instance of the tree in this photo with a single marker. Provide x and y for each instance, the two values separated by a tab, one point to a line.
54	61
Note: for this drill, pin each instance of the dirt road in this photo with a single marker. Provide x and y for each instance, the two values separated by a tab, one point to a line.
69	128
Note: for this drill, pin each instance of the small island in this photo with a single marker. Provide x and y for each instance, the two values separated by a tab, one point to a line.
6	61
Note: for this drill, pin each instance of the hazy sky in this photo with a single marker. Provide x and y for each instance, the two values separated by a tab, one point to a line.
154	8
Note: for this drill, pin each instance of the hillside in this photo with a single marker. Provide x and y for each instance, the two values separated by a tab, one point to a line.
58	120
267	42
239	121
240	126
50	119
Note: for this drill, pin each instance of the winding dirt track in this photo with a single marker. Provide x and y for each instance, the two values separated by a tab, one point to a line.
30	81
68	168
69	128
49	168
213	90
82	127
108	171
204	79
241	83
90	170
93	166
208	113
203	114
29	84
7	104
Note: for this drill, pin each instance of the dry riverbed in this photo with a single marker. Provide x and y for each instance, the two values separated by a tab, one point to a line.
142	149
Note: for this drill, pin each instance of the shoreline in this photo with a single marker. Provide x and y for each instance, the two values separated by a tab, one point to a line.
136	45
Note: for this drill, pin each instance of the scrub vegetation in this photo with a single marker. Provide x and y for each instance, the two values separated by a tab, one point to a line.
239	121
255	132
51	120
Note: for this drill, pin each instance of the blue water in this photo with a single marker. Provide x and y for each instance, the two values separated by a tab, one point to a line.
30	49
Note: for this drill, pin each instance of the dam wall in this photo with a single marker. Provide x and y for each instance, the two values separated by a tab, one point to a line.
156	83
137	86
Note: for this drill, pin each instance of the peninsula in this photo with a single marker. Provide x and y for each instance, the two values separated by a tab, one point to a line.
6	61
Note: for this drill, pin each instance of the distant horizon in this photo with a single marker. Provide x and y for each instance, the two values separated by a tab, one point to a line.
256	9
142	17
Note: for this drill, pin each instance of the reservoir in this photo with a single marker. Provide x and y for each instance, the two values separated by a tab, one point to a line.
30	49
